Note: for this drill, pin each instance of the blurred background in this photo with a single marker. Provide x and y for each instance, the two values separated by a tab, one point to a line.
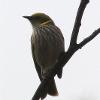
18	77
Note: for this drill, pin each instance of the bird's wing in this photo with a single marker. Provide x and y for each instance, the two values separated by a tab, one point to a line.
38	69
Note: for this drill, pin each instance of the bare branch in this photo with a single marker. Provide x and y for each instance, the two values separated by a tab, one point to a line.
77	23
89	38
65	57
40	90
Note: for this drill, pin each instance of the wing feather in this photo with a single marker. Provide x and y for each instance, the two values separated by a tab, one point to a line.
38	69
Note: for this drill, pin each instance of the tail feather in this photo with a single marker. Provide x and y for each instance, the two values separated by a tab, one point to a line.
49	88
52	90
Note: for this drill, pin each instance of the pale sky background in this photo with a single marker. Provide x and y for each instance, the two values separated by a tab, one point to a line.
18	77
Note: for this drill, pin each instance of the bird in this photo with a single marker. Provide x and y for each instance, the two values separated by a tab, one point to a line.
47	44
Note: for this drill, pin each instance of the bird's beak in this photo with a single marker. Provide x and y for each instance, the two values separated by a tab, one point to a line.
28	17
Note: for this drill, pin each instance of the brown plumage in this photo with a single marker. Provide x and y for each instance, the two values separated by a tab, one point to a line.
47	44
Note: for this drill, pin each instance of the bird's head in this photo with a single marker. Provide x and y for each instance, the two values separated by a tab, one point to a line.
39	19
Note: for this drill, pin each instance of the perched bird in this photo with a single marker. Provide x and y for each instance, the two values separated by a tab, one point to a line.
47	44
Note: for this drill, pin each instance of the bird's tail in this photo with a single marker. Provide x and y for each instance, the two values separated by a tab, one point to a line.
50	88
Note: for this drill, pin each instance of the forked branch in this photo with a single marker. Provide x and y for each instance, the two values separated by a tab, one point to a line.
65	57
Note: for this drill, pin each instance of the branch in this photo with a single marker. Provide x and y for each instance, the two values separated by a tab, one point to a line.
89	38
78	22
65	57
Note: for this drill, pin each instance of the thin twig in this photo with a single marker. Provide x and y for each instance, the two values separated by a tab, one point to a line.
89	38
